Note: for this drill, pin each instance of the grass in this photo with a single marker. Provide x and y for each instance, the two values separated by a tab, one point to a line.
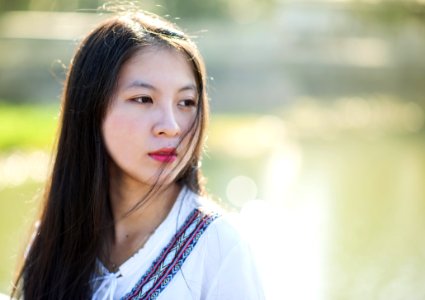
27	126
17	210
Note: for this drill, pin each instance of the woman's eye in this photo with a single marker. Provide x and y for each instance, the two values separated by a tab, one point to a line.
142	99
187	102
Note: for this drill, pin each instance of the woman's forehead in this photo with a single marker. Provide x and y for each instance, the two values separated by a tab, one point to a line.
156	66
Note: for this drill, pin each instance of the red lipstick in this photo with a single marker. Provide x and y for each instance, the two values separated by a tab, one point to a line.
165	155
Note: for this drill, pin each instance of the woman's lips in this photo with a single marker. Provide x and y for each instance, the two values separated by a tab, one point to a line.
166	155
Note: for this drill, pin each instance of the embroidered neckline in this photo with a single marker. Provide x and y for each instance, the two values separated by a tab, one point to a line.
172	257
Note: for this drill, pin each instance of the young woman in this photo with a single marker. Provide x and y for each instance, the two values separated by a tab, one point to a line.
124	217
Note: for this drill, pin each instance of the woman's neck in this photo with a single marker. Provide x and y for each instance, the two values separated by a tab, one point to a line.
133	227
140	206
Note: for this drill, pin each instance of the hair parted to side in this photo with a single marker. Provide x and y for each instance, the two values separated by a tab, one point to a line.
76	215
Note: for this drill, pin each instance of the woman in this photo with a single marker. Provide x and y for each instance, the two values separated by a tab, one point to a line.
123	215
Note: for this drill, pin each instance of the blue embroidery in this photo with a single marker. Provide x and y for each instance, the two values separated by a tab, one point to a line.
172	257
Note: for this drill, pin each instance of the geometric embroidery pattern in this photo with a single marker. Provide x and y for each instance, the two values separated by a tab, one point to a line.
172	257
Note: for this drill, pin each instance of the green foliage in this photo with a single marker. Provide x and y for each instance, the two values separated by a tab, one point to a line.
6	5
187	9
391	13
27	126
17	210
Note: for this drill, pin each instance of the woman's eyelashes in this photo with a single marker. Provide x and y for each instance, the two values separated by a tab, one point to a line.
187	103
142	99
149	100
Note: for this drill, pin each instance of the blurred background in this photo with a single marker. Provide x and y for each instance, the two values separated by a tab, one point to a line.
317	133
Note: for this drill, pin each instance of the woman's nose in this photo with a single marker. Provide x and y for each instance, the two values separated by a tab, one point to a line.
167	124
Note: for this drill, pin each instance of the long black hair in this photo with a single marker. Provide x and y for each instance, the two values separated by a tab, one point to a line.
76	215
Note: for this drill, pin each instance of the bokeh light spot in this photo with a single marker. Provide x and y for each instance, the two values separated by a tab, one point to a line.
241	189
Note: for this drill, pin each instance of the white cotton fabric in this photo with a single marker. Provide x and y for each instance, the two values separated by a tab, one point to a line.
219	267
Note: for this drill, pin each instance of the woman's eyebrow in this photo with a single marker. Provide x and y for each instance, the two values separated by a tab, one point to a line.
140	83
188	88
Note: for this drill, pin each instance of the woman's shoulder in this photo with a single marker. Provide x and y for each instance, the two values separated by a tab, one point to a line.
225	230
230	268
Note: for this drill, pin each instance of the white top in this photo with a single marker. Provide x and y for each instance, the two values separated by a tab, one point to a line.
220	265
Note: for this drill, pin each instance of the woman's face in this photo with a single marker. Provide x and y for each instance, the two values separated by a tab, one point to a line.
153	107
